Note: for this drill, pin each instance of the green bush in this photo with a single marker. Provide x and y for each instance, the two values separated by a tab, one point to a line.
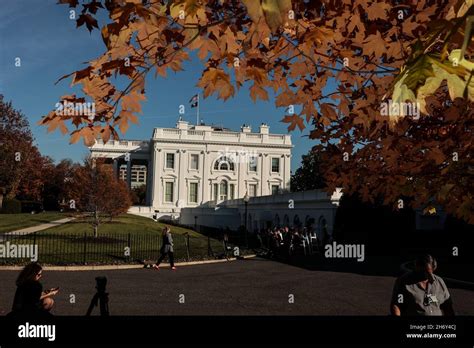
31	206
11	206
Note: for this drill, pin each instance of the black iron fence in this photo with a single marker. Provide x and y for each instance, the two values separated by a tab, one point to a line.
106	248
244	240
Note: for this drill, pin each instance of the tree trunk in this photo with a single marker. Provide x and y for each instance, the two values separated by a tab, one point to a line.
96	223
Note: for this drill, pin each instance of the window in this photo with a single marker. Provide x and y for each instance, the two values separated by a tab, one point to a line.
232	191
275	165
169	161
223	190
252	190
275	189
224	163
193	192
169	192
253	164
194	161
216	191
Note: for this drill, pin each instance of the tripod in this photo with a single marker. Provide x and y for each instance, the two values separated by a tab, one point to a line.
101	298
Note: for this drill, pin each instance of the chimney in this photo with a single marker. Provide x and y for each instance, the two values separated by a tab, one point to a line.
182	124
246	128
264	129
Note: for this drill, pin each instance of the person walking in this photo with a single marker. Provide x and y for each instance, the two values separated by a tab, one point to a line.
166	249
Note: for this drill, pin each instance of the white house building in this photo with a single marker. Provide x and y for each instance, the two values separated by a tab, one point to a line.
191	165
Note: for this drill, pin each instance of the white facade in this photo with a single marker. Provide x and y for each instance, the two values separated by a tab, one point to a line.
189	166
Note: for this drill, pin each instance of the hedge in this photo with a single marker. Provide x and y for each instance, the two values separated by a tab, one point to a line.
11	206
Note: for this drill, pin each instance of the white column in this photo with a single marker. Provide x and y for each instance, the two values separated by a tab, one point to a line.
116	171
241	176
157	167
287	170
264	174
181	178
149	180
129	172
151	174
203	163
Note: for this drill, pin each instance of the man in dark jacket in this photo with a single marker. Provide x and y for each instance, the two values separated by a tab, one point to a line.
166	249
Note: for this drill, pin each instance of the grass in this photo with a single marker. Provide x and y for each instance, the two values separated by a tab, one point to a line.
74	243
12	222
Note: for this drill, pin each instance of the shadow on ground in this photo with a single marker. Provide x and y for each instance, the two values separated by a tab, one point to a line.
387	266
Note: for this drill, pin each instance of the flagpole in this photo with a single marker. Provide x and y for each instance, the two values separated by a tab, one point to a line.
197	114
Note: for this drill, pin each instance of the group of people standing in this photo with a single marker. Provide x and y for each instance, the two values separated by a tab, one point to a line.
284	242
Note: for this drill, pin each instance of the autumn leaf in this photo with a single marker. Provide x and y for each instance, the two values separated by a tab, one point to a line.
378	10
71	3
258	92
318	35
131	102
294	120
75	136
275	12
328	112
88	20
254	9
374	45
216	80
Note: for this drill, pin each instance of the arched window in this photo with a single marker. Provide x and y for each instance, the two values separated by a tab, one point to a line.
323	230
296	221
277	221
286	221
223	190
224	163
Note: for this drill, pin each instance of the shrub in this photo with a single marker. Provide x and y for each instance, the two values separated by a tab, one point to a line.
31	206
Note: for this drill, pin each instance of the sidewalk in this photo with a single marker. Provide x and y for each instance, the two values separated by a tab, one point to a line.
37	228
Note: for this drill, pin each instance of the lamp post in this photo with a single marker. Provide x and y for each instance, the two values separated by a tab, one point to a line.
246	201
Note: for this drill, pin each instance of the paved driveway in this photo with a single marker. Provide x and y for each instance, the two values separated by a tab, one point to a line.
244	287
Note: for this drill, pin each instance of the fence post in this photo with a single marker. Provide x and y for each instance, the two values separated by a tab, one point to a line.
129	247
85	248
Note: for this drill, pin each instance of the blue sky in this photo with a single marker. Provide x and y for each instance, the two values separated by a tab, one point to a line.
41	34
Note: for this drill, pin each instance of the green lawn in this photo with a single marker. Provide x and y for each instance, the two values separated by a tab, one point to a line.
12	222
74	243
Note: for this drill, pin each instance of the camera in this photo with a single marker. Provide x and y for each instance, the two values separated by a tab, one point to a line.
101	283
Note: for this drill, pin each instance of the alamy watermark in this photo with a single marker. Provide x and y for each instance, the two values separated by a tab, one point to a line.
66	108
400	109
345	251
37	331
19	251
239	156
